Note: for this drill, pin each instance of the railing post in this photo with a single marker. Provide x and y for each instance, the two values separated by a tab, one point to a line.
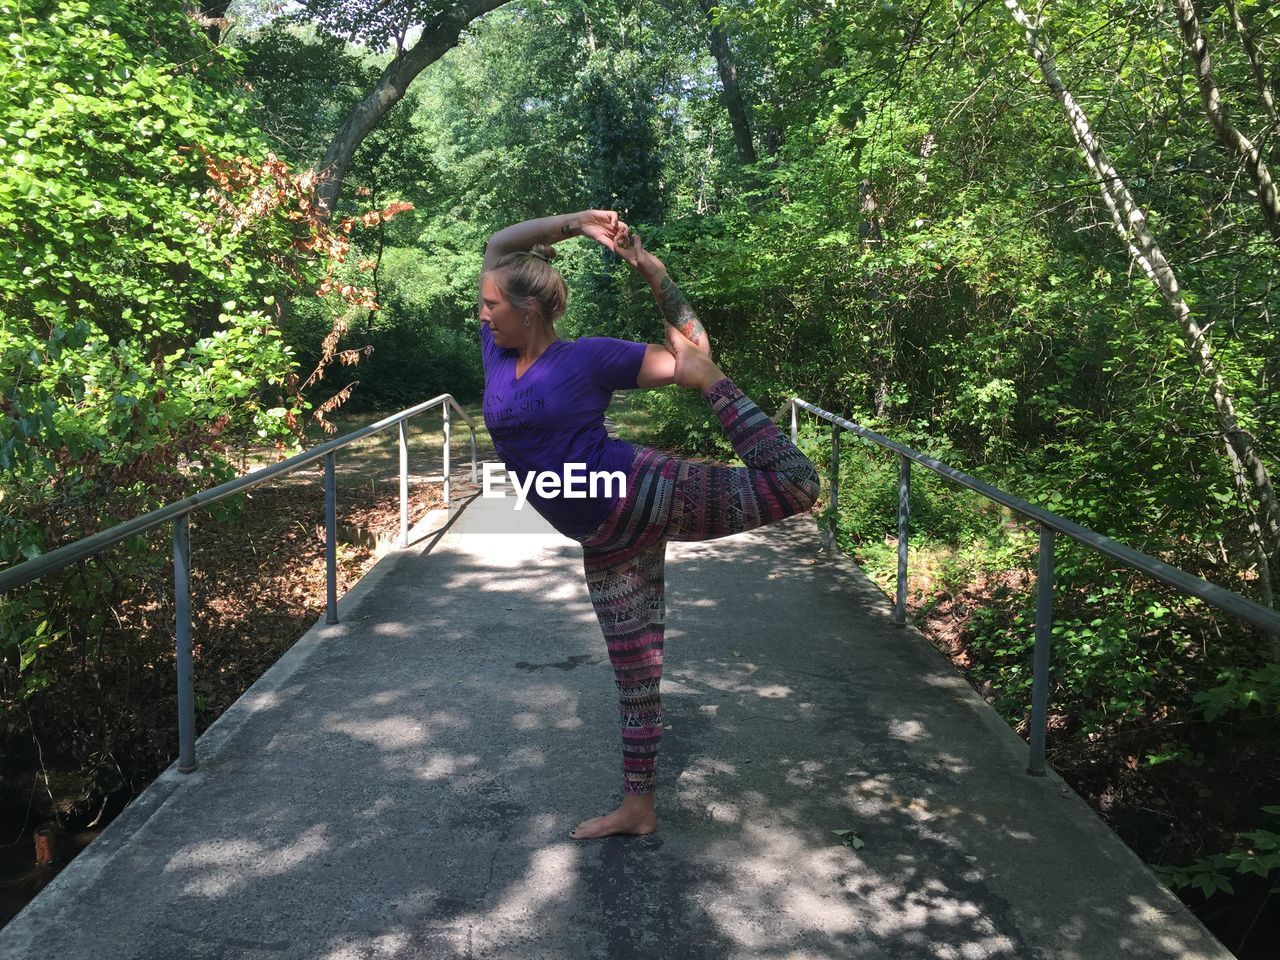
182	618
448	425
474	475
904	513
1040	667
835	482
330	541
404	483
795	432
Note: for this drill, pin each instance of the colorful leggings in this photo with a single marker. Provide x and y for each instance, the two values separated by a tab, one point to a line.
670	499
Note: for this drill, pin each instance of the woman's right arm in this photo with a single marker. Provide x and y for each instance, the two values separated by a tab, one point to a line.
599	225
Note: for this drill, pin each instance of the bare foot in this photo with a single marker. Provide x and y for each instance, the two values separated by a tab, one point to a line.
634	816
694	368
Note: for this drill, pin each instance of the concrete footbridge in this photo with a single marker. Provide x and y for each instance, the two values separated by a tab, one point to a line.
401	785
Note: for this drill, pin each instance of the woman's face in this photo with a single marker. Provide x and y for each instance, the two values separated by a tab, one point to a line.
506	323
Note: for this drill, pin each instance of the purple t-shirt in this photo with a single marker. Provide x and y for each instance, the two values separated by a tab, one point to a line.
554	415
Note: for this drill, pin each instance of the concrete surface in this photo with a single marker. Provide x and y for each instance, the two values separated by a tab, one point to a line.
401	785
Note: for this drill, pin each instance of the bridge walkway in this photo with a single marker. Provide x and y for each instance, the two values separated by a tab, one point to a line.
401	785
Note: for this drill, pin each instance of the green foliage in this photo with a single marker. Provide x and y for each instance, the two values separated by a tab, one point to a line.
681	421
1258	855
148	243
850	839
135	314
1242	690
377	24
1119	647
869	493
302	84
550	108
414	355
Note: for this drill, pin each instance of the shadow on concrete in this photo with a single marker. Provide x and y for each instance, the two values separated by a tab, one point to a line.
402	785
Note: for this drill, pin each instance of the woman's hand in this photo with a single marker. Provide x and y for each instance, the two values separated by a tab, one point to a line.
630	247
601	226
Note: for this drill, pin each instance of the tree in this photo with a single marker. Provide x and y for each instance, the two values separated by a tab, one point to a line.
149	224
1250	156
729	81
379	25
1253	480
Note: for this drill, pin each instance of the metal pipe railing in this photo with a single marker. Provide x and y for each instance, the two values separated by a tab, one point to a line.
904	513
179	513
1245	609
182	623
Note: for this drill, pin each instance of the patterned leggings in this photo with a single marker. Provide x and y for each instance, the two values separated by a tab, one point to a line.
670	499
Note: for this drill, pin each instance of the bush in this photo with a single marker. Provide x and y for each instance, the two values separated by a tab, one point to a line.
151	231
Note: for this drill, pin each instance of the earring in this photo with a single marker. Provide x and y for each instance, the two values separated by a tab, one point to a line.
527	323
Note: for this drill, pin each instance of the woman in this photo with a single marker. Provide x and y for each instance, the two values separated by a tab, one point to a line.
544	406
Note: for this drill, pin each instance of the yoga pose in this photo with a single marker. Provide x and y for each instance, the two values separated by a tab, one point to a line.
544	403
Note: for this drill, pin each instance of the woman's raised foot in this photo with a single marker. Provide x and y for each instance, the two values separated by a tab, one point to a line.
693	367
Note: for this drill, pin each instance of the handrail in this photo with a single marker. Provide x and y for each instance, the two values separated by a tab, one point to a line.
1242	607
179	512
23	573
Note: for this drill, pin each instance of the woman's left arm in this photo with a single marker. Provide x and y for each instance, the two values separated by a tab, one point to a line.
676	311
658	368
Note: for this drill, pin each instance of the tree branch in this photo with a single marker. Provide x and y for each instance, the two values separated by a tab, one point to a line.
1255	62
437	38
1249	155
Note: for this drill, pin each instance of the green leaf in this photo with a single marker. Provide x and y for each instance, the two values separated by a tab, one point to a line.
849	838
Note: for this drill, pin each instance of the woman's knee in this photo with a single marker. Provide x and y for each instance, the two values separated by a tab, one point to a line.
807	485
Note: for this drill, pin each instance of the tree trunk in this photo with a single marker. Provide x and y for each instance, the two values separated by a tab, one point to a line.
1235	141
1249	472
1255	63
591	33
732	94
437	38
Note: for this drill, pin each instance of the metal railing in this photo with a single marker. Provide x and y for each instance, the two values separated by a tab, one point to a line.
1255	613
180	512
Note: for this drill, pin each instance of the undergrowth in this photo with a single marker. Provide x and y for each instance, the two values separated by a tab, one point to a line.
1163	712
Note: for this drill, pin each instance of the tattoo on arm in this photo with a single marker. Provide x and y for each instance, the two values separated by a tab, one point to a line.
677	312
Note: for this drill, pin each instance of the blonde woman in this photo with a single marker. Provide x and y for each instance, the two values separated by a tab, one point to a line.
544	404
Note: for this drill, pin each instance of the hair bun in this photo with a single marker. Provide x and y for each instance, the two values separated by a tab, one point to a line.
545	251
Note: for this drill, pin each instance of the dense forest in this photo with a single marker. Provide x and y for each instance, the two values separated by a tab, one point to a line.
1037	242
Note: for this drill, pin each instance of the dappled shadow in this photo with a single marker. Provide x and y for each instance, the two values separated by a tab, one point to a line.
403	787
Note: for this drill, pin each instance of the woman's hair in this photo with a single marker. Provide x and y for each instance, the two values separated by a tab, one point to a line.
529	281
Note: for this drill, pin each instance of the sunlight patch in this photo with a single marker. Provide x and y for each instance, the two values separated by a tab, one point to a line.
226	865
